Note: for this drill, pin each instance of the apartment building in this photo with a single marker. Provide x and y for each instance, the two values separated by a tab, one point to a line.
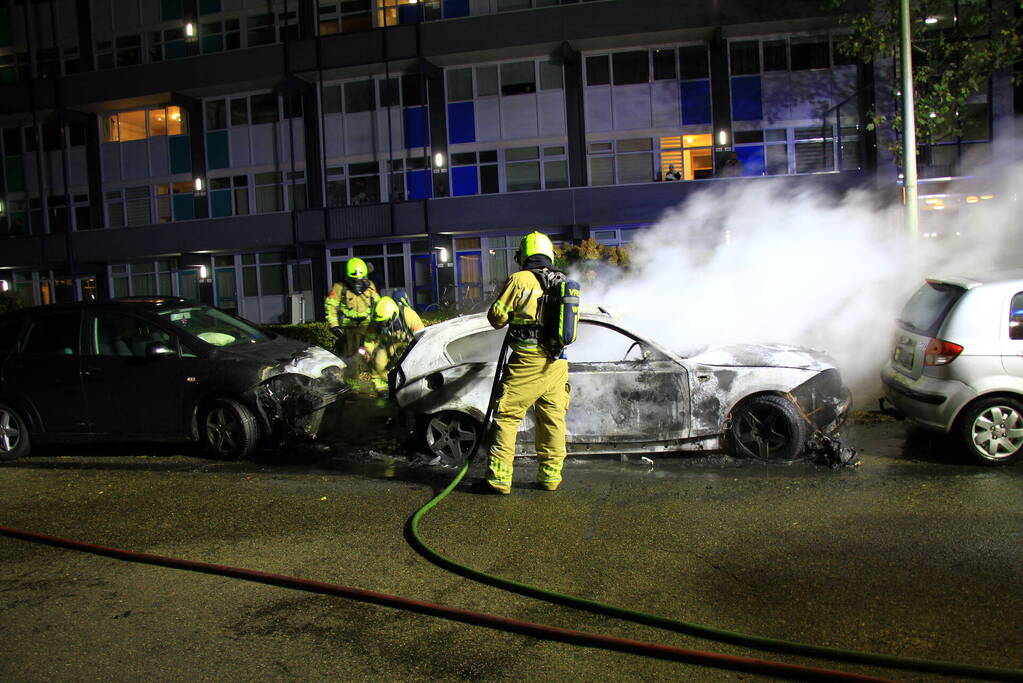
239	151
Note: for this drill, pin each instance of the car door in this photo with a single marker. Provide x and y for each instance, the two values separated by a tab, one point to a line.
1012	346
44	372
624	392
128	391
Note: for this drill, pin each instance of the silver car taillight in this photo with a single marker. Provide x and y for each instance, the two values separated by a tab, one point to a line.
941	352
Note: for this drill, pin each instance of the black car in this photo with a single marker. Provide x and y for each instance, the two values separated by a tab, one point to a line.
156	369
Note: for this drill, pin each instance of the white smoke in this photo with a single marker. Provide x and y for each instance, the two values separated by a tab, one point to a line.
768	261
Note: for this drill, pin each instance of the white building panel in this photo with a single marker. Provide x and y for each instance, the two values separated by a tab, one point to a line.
359	133
598	109
631	106
488	119
395	129
291	139
159	156
551	107
664	104
333	136
135	159
110	154
78	168
238	142
262	140
126	17
519	117
31	166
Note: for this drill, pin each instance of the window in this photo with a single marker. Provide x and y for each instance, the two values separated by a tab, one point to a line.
621	161
359	96
268	192
810	53
631	67
412	87
693	62
518	78
665	67
260	29
53	335
486	80
229	196
364	182
551	76
1016	317
522	169
744	57
459	84
167	44
139	279
345	17
120	334
143	123
814	149
264	274
598	71
337	187
776	55
264	108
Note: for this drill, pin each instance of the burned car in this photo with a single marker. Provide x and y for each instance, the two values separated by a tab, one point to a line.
156	369
629	394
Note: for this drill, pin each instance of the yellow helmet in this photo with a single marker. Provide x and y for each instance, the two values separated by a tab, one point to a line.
356	268
532	244
385	309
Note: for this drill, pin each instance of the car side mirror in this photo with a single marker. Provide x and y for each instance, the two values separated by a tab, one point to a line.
158	349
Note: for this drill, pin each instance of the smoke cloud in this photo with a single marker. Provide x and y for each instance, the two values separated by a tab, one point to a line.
751	261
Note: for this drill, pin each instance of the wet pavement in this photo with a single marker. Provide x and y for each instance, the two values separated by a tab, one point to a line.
914	553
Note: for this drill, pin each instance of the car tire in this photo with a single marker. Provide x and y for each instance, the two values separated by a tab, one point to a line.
14	440
451	436
992	430
228	429
768	428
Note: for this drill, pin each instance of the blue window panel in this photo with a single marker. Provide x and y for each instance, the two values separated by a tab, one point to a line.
410	14
417	127
695	102
180	153
220	203
752	159
746	100
418	184
217	150
456	8
464	181
184	207
461	123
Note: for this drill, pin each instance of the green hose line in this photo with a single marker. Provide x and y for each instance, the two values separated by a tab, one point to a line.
698	630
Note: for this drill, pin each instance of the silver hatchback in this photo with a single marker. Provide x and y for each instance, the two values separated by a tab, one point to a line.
956	364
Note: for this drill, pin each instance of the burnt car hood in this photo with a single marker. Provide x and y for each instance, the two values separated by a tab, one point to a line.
763	356
283	356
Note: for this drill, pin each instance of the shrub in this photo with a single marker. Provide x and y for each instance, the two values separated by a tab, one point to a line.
315	334
10	301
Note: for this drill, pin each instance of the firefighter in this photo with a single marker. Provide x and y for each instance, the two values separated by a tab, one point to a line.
348	307
390	331
531	377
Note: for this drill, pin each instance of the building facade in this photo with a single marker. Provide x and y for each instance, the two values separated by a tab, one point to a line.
239	151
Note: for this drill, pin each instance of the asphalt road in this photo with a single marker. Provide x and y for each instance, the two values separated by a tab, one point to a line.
913	553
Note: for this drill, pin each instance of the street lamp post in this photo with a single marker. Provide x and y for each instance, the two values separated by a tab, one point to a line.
908	127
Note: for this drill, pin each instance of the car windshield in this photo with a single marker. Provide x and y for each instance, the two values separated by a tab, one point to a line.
214	326
926	309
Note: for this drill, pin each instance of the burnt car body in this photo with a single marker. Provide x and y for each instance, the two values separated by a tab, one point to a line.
156	369
629	394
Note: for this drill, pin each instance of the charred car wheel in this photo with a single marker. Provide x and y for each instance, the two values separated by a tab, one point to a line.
768	428
992	430
228	429
451	436
14	442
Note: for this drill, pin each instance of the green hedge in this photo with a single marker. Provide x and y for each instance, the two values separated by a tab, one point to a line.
10	301
315	334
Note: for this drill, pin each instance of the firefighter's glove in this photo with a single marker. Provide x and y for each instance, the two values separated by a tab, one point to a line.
336	331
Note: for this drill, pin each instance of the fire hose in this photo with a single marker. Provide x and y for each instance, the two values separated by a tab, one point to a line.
415	539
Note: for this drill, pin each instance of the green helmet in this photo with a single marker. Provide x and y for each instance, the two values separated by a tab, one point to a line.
356	268
385	309
532	244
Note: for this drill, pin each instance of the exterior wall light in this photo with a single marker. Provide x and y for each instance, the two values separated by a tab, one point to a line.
438	162
5	286
1	207
722	138
442	256
190	31
200	188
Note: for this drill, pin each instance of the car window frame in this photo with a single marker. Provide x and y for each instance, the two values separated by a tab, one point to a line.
31	320
93	314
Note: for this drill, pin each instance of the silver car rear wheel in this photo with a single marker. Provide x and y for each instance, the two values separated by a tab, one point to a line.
14	441
451	436
992	430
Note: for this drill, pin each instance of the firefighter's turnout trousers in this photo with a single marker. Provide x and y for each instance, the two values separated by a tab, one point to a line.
530	378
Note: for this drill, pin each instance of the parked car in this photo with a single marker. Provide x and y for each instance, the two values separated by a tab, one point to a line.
957	362
629	394
156	369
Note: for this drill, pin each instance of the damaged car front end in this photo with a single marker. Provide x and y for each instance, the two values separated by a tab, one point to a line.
295	395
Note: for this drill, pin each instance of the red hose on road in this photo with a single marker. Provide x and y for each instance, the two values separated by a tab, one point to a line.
637	647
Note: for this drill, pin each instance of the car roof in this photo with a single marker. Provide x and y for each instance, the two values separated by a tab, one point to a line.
1005	276
135	303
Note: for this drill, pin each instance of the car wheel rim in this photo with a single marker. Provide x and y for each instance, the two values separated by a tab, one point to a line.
222	431
997	432
450	438
9	432
763	432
